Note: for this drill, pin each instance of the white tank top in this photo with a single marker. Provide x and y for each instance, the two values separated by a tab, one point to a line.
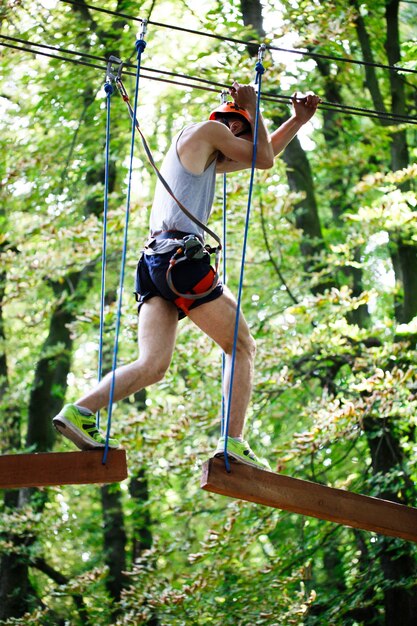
195	191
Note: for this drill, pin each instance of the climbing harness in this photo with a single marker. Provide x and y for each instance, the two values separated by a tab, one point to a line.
259	70
191	248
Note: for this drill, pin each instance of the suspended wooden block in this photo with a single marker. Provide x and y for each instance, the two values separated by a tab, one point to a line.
62	468
301	496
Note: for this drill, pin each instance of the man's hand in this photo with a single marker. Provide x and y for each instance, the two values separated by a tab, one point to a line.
305	106
244	96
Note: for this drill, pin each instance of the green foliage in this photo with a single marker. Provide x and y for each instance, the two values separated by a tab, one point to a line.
335	367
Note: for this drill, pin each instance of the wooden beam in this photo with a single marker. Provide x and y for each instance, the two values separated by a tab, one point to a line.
301	496
61	468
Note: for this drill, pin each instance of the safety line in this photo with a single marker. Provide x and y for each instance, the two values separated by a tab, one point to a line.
244	42
259	72
349	109
140	47
94	57
102	67
108	88
267	96
224	280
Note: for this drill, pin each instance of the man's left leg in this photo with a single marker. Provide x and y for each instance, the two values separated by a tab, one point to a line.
217	319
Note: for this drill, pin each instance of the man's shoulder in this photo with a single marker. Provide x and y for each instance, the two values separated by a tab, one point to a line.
206	126
197	145
207	132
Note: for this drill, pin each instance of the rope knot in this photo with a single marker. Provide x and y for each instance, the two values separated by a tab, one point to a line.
108	88
140	45
259	68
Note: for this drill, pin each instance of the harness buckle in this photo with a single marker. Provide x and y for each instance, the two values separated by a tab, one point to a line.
193	248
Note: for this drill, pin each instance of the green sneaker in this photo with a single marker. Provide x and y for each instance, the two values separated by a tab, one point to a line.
80	428
240	451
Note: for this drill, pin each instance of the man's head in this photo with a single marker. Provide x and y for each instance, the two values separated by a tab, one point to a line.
234	117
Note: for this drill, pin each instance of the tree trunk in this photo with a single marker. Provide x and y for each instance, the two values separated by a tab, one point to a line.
115	540
406	253
16	593
50	380
3	359
300	179
17	596
252	17
397	561
368	56
142	537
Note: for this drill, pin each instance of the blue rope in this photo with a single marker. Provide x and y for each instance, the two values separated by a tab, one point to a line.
224	282
259	68
108	88
140	47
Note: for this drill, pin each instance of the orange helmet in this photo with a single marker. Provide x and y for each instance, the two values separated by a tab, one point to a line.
229	107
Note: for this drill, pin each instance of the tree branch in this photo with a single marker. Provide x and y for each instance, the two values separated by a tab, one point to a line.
59	578
271	258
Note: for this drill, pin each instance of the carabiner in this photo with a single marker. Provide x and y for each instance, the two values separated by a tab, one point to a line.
114	69
261	52
143	29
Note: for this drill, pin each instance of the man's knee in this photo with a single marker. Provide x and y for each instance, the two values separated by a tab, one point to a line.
246	346
154	368
159	369
251	346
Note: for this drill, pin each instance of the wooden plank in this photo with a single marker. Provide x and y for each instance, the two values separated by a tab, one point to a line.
301	496
61	468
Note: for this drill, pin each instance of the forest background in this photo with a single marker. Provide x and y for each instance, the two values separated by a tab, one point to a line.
330	294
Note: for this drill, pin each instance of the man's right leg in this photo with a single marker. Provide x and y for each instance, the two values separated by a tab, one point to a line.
157	329
217	319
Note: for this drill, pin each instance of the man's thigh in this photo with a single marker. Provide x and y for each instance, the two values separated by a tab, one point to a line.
157	327
218	318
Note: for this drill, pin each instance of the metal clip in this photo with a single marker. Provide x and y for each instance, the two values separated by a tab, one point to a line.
114	69
224	96
143	29
261	52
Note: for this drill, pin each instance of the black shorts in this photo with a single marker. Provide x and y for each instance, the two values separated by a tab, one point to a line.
190	276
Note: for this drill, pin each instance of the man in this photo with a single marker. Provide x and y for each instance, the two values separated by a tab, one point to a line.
221	144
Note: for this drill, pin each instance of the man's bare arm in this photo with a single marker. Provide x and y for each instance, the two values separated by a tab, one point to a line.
304	109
